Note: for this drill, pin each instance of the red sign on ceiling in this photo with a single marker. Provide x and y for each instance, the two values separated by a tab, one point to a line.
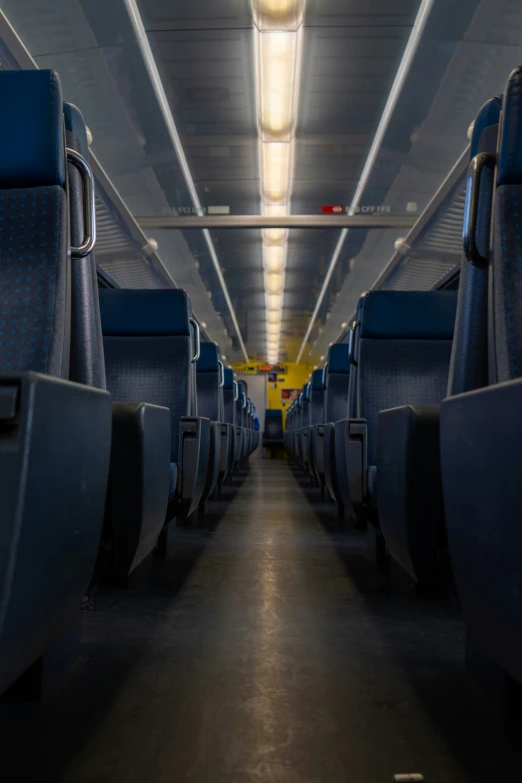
332	209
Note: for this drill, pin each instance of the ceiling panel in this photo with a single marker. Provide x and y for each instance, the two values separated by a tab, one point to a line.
204	53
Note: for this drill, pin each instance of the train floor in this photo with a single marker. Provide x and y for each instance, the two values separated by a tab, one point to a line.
267	649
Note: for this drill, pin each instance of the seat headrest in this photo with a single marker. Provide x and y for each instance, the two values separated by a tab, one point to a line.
306	392
488	116
208	358
145	313
510	151
74	123
409	315
31	132
317	383
274	413
228	379
338	359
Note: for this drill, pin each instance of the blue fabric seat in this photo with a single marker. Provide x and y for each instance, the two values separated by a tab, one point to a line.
411	511
228	396
210	405
149	349
401	350
337	379
61	430
273	432
316	435
481	453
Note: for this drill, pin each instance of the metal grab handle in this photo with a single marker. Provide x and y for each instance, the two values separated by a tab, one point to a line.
221	373
196	339
89	208
236	390
351	343
469	229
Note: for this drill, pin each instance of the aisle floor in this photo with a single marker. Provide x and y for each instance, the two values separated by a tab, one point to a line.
266	650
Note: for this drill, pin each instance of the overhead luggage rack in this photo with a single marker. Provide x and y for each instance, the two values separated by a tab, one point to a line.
432	250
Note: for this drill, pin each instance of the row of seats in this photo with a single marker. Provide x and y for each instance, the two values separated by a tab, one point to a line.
412	426
116	420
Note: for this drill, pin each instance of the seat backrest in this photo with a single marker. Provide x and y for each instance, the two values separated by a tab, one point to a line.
403	352
240	404
317	397
336	383
149	348
34	226
228	396
352	349
505	314
305	406
298	410
87	359
273	424
208	378
469	357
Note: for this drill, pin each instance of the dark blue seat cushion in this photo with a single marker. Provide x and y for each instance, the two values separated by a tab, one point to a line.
153	370
228	379
34	287
487	117
413	315
32	140
399	372
208	358
273	425
510	157
317	382
338	359
145	313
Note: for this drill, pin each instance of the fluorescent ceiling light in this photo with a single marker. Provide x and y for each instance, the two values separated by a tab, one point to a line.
157	84
277	63
276	162
278	14
274	317
278	55
274	301
275	258
274	283
391	103
275	236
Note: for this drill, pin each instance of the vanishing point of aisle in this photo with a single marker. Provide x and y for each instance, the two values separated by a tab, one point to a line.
267	651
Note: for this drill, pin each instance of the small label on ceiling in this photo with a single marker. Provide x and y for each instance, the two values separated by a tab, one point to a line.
332	209
218	210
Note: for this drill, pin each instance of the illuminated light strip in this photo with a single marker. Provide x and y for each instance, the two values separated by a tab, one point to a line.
398	83
278	55
146	51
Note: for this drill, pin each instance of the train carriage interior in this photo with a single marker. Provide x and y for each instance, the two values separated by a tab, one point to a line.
260	362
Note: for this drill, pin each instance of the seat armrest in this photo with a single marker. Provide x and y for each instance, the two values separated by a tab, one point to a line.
317	451
138	481
226	453
409	490
214	460
351	468
357	462
54	463
194	451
